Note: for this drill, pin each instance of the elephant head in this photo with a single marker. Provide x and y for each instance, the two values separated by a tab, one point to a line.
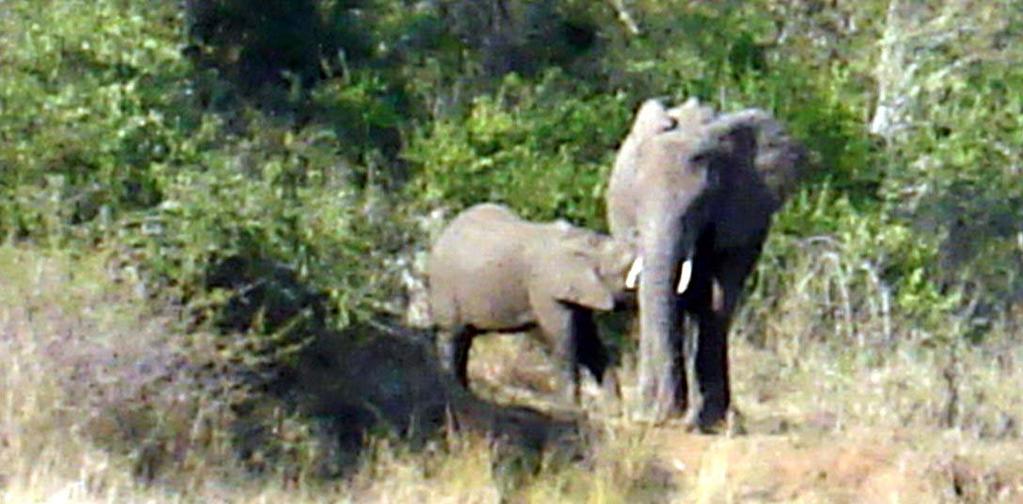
652	119
690	115
588	269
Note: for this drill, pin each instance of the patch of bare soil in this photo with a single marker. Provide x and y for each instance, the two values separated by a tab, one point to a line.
786	468
788	457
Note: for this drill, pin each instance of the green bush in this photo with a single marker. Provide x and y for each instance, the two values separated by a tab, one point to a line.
90	95
110	143
543	151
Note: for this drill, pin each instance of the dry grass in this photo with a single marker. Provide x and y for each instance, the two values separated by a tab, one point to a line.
829	426
823	422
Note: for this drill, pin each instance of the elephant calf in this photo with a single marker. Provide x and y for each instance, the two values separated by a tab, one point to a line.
491	271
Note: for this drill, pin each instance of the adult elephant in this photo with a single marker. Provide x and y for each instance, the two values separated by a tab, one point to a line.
697	241
492	271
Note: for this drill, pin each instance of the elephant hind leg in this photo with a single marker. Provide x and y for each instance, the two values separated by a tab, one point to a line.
454	353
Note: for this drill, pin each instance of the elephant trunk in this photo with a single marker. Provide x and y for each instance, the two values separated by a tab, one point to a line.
665	245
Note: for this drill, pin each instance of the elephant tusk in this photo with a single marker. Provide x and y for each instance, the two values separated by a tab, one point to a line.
685	276
633	277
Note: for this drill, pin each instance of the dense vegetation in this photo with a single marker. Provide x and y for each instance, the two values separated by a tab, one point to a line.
268	164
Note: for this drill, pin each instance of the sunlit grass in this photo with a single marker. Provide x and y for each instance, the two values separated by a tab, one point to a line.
822	423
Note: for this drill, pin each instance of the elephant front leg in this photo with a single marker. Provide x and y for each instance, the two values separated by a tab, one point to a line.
591	352
710	398
560	326
711	395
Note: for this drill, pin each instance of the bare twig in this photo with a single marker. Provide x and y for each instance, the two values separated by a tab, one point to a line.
842	283
625	16
951	376
885	294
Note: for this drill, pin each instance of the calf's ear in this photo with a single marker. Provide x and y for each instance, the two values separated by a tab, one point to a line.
579	284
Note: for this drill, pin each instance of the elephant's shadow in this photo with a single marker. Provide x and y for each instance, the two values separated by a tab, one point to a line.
372	378
386	378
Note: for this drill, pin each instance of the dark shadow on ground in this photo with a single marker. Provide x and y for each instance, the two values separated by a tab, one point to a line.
384	380
373	378
386	377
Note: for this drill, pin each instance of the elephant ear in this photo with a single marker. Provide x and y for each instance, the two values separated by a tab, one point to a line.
739	141
575	280
779	160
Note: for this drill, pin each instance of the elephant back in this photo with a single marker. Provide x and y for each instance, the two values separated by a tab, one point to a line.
475	268
652	118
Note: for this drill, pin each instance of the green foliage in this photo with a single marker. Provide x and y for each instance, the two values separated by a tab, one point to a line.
954	174
88	99
364	113
264	43
543	151
107	141
302	137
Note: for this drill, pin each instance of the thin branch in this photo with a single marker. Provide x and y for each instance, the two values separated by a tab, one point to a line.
625	16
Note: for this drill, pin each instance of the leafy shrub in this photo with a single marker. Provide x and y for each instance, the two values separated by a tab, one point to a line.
259	44
545	152
89	97
111	146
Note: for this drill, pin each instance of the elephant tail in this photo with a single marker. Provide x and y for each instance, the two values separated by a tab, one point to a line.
429	317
